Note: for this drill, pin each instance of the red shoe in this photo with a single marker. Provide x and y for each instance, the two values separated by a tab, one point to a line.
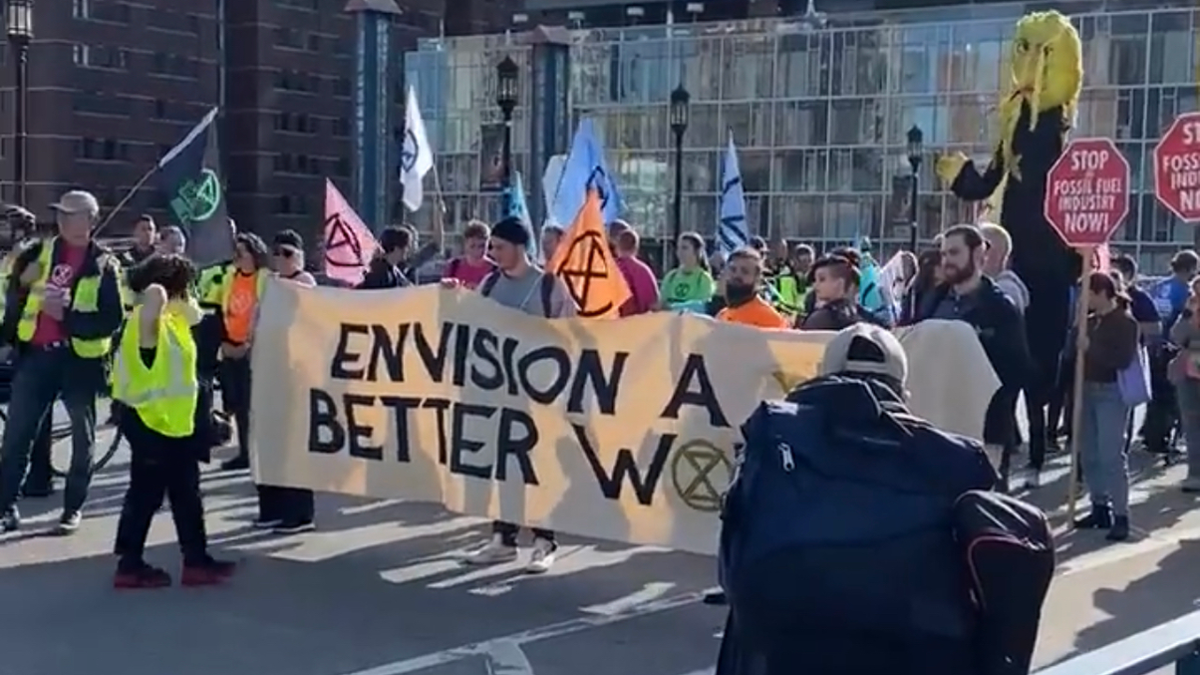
208	573
142	577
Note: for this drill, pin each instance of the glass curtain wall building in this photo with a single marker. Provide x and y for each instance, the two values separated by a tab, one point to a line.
819	115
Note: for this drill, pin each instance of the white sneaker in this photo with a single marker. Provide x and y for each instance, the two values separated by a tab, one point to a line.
494	552
543	556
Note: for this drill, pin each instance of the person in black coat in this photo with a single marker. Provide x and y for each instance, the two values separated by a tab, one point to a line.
967	295
384	272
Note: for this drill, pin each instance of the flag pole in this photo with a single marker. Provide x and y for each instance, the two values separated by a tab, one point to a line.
125	200
439	211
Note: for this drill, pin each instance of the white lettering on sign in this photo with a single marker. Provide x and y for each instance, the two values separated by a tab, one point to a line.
1089	160
1088	203
1191	133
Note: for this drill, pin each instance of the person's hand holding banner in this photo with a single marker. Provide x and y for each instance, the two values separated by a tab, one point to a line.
585	262
349	244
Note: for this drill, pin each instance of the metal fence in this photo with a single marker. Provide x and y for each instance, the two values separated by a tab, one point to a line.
1173	643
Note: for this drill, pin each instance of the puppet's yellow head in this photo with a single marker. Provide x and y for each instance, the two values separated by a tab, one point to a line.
1047	61
1045	71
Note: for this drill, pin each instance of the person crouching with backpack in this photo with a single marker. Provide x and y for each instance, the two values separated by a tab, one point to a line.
521	285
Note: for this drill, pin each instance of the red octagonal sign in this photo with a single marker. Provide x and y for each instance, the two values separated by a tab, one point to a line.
1087	192
1177	168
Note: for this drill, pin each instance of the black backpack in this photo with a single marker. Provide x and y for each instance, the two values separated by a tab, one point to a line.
837	550
1009	553
546	288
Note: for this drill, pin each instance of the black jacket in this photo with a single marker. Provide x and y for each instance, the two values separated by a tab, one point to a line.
1000	327
101	323
383	274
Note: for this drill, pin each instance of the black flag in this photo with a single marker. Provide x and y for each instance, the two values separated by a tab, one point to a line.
190	176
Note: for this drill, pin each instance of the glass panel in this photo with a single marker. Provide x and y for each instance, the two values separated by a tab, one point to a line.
755	166
750	123
801	123
644	128
848	217
1172	55
800	170
700	172
700	214
702	72
799	217
704	127
748	70
799	71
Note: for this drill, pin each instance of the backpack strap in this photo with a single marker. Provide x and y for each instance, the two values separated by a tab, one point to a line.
489	283
548	280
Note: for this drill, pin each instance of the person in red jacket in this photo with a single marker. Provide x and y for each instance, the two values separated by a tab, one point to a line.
643	287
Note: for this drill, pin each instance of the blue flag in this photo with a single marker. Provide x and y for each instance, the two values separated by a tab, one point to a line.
513	205
584	169
870	295
732	232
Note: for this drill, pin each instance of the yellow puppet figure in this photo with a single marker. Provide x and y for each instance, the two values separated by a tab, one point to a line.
1037	108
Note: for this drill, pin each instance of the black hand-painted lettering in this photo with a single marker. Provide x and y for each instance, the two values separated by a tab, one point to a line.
485	344
604	388
358	434
461	445
508	350
518	446
703	397
323	421
401	406
435	361
344	359
439	406
547	354
625	465
389	352
462	346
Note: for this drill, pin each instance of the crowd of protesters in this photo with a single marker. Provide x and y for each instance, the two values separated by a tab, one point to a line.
66	297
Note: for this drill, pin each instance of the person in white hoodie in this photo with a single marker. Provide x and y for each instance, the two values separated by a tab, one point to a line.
995	264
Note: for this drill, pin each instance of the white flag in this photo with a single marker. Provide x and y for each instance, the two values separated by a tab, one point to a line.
416	157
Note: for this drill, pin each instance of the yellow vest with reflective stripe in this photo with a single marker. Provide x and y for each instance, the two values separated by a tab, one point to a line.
210	285
84	298
164	395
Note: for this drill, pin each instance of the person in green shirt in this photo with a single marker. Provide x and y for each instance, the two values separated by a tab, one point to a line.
690	285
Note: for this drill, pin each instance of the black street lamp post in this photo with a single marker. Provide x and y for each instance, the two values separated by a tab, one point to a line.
915	149
506	98
680	102
18	18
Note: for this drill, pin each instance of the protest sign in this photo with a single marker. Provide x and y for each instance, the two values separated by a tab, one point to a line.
622	430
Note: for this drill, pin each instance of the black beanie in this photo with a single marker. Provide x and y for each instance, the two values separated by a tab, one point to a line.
513	231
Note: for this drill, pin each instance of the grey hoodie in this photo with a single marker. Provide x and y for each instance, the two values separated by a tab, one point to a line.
1012	286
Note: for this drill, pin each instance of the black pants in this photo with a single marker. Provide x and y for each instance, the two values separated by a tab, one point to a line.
41	472
160	466
235	395
508	532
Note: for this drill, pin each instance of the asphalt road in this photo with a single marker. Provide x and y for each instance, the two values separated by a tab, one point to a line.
378	590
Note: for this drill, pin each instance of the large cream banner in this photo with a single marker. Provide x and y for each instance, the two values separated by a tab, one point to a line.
622	430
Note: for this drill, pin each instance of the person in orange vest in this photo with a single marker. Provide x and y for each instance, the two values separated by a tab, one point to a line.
743	283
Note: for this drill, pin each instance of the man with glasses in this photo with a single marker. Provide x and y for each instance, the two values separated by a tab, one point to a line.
71	308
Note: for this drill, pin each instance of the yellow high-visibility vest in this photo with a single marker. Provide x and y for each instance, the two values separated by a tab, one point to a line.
85	298
165	394
210	285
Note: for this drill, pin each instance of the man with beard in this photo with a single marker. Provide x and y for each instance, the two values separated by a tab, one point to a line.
743	281
965	294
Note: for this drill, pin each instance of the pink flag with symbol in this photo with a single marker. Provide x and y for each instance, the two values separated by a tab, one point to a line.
349	244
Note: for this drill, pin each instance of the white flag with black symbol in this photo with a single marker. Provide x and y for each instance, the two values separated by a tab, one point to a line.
732	232
416	157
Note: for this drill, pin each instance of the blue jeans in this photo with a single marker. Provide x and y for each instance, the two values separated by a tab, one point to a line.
1102	446
43	376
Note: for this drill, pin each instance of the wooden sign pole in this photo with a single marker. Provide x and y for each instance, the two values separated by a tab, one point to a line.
1081	315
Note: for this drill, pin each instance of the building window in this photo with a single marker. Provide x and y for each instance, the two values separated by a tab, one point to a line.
341	167
100	56
173	22
82	9
314	43
295	80
341	127
305	5
97	103
102	149
109	12
341	86
288	38
174	65
292	205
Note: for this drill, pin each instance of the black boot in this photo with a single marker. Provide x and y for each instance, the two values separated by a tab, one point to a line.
1119	530
1099	519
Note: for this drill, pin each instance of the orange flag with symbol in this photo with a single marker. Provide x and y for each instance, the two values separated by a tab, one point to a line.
586	265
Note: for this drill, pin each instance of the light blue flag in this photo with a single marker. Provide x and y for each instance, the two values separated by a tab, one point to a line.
870	294
513	204
732	232
584	169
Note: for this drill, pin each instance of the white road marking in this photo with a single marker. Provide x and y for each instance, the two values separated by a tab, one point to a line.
372	506
533	635
649	592
319	546
505	657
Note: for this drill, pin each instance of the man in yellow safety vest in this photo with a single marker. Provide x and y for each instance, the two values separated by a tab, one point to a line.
71	308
